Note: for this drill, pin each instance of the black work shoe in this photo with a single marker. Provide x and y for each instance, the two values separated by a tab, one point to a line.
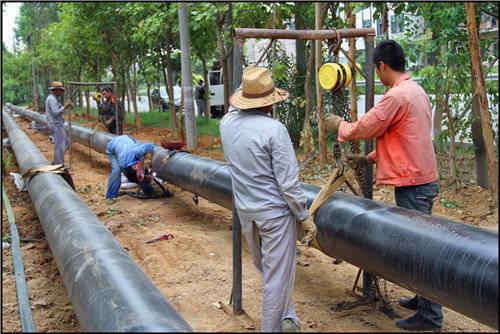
409	303
417	323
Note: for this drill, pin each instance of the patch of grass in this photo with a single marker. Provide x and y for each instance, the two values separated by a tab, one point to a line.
84	190
208	127
204	127
450	203
6	238
139	222
109	212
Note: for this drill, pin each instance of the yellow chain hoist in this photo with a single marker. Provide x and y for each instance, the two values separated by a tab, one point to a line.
334	76
97	96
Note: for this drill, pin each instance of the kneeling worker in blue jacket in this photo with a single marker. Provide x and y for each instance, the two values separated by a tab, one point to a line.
126	156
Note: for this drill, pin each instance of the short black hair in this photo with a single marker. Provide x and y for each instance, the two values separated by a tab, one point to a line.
107	89
391	53
131	174
200	81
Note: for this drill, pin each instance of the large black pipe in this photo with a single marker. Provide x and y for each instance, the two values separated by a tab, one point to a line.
108	290
452	263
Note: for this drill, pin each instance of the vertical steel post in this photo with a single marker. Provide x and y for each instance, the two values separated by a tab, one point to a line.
237	284
115	92
368	278
237	62
369	101
69	127
236	293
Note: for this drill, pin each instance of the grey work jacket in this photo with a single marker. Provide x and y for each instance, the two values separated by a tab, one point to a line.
54	111
263	166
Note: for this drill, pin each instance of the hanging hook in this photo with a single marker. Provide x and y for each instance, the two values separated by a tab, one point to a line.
335	46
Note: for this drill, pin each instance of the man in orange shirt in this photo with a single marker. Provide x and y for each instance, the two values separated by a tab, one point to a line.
404	154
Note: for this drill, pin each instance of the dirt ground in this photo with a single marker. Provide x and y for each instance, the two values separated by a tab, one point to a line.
193	270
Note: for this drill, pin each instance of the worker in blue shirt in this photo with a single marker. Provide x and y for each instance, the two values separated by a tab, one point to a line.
127	156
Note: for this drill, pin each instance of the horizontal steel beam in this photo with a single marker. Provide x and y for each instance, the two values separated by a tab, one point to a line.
240	33
108	290
452	263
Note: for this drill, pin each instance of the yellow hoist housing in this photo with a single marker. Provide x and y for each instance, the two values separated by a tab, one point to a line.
97	96
334	76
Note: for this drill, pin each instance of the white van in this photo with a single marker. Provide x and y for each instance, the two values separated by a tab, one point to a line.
216	95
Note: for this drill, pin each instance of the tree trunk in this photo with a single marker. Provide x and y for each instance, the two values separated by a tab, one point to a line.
300	53
452	148
128	90
437	124
181	133
87	100
187	79
482	178
385	21
479	84
131	90
124	88
33	73
319	91
207	86
306	135
169	84
227	27
160	106
113	69
220	47
150	103
80	99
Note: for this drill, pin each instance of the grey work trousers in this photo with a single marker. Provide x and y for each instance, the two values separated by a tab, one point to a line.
273	245
61	142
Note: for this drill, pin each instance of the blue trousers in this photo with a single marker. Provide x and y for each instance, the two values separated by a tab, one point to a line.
420	198
115	180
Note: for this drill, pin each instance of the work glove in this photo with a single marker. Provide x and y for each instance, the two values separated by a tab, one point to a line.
333	123
67	104
358	161
309	229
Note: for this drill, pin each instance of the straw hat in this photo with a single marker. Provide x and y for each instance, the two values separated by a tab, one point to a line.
257	90
56	85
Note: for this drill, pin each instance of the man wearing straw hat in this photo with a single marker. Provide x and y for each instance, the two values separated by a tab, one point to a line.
54	112
267	193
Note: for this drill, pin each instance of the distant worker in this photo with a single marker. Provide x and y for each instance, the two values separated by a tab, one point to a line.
199	94
267	193
107	111
401	122
127	156
54	112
